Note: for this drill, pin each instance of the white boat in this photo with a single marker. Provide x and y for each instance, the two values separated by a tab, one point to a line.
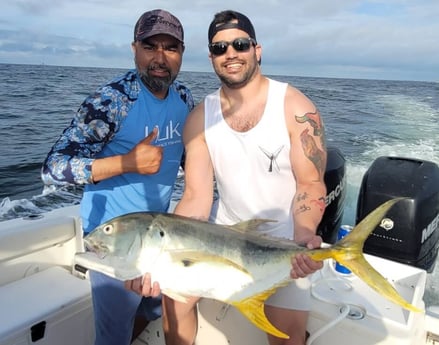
45	297
46	300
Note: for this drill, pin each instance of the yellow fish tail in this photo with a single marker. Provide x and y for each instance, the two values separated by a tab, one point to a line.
349	252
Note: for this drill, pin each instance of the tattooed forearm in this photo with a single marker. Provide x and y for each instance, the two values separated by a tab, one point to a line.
320	203
306	203
302	197
302	208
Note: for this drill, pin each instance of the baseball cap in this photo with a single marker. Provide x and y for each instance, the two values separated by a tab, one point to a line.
237	21
158	22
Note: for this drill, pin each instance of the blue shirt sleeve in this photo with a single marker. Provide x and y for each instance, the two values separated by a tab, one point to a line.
97	119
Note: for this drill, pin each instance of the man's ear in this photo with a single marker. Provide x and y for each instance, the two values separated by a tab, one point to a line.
133	47
258	49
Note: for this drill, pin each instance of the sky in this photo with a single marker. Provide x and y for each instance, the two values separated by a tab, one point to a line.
361	39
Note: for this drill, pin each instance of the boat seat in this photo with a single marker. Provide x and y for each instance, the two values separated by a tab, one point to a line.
25	236
52	307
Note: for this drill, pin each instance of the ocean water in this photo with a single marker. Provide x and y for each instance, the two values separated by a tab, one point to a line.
365	119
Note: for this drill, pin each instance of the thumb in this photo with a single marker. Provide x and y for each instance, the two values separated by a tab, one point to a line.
152	136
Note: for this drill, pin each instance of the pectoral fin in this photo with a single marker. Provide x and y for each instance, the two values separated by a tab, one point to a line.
253	309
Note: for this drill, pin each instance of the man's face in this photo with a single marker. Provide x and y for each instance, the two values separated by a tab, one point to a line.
158	60
235	68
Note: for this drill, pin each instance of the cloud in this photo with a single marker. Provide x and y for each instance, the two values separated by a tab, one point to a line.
390	39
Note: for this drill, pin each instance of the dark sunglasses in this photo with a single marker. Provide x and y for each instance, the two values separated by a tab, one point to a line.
239	44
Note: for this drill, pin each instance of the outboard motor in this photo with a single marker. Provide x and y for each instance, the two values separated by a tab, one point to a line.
409	232
335	180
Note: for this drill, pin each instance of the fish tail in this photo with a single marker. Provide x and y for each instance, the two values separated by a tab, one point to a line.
349	252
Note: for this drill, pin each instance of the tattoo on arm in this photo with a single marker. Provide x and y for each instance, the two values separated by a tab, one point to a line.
303	208
309	145
302	197
314	120
320	203
312	152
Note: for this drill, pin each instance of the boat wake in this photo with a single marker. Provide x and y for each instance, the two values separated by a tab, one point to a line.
51	198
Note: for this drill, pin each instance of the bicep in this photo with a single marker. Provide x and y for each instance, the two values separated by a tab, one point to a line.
308	157
307	137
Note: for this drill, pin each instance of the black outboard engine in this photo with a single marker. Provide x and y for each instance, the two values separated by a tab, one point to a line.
409	232
335	180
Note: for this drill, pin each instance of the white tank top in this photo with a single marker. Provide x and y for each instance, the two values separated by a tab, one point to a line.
252	169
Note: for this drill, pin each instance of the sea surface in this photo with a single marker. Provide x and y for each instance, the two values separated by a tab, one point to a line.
365	119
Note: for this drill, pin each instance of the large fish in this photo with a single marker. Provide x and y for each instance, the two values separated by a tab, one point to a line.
233	264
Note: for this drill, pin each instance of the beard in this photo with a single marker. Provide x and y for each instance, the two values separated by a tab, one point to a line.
156	84
242	80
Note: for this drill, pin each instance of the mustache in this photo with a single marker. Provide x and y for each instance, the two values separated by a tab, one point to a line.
158	67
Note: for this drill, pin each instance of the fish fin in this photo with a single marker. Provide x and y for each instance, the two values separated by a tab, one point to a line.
174	295
353	243
253	309
190	257
251	224
348	252
360	267
134	248
362	230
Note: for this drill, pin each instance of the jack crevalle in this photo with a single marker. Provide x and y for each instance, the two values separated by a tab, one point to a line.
233	264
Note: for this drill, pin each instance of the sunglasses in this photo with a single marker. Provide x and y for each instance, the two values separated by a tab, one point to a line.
239	44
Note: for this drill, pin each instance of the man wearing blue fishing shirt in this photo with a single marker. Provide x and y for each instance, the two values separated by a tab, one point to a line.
124	144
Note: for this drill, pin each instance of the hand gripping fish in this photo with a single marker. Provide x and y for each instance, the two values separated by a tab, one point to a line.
232	264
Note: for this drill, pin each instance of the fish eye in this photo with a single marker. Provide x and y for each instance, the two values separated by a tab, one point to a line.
108	229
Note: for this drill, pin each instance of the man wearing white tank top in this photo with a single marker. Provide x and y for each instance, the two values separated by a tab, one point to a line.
263	143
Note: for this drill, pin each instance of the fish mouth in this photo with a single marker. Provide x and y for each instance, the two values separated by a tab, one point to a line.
100	249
